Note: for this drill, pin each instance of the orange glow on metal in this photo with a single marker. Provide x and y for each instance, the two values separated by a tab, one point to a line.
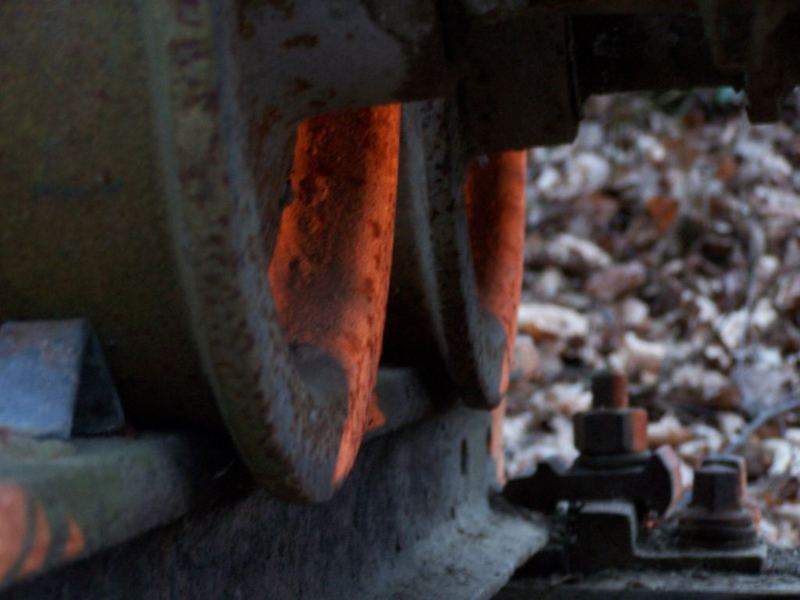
330	268
13	525
41	543
495	441
75	540
495	197
375	416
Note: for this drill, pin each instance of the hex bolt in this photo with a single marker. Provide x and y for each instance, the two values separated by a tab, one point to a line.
610	429
738	464
609	390
731	461
718	514
716	488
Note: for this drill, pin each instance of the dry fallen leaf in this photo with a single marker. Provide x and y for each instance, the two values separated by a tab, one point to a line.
694	385
617	280
667	431
550	321
663	210
642	354
527	362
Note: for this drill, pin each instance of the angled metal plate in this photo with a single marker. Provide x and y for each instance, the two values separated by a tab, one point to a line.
54	381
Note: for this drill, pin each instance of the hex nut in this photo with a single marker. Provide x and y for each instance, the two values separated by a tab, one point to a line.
608	431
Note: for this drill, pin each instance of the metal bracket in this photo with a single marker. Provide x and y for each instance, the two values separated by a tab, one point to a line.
54	382
520	90
616	482
599	523
747	36
652	484
614	462
414	520
602	535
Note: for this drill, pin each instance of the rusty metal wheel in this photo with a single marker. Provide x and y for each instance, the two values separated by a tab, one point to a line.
458	254
294	356
146	186
495	199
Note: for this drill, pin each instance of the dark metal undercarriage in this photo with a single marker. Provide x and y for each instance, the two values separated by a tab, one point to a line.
280	224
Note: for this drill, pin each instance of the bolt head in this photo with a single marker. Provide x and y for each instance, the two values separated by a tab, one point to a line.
609	431
731	461
609	390
717	488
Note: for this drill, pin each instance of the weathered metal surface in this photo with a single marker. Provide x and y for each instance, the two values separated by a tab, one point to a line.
84	224
146	153
62	501
54	381
601	535
746	37
413	296
530	65
773	69
402	398
717	515
501	9
683	575
413	521
458	268
520	89
626	53
610	390
610	433
298	58
739	464
749	45
728	27
496	213
649	585
653	484
607	536
329	275
601	531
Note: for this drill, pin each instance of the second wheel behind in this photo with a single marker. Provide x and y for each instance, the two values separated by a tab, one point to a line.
457	268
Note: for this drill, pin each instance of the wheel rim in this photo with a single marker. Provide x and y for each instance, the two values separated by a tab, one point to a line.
495	201
458	254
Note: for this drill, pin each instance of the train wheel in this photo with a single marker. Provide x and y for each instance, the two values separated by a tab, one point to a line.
458	254
293	322
148	186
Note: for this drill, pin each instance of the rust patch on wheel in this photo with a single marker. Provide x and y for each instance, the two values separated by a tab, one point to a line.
76	540
330	268
13	526
40	545
495	200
